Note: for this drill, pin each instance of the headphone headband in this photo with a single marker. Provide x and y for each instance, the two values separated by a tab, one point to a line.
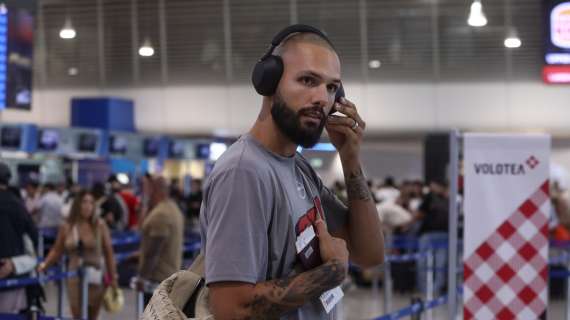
296	28
269	68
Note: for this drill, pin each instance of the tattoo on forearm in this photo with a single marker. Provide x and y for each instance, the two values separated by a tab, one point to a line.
272	299
356	186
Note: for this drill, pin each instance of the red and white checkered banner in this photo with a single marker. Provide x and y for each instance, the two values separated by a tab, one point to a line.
507	208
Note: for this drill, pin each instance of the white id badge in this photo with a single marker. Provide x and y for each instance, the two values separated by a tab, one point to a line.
330	298
305	238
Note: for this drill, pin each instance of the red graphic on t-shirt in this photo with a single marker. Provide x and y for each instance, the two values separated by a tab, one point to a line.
306	220
309	218
309	256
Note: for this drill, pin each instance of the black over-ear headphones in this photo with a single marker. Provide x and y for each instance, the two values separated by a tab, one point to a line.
269	69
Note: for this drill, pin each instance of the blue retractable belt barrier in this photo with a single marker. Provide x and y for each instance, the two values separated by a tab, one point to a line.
123	240
559	274
406	257
193	247
559	259
22	282
414	309
9	316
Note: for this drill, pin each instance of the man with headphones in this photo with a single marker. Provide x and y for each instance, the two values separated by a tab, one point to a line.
276	241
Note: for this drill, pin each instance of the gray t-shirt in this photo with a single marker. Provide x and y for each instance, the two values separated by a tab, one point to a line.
254	202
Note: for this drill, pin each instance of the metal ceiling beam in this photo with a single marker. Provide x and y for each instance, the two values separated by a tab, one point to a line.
101	44
163	42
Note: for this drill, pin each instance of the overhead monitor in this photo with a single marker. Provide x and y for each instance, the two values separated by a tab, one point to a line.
87	142
11	137
202	151
176	149
48	140
150	147
118	145
556	41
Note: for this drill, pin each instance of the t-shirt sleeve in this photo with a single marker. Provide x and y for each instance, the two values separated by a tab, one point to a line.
235	222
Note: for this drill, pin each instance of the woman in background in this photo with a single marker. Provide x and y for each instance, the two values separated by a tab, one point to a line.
84	237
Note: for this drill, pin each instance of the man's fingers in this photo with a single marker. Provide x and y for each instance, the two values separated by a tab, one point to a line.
321	227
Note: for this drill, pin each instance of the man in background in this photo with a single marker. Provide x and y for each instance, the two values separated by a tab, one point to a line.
162	239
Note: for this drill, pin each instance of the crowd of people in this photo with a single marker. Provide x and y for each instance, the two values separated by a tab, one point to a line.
415	210
411	207
85	219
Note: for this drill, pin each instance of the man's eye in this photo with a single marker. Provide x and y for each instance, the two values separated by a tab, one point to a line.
332	88
308	81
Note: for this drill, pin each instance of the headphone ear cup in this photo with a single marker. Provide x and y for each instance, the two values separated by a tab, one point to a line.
266	75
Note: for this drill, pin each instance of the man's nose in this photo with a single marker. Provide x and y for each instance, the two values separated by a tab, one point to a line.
320	96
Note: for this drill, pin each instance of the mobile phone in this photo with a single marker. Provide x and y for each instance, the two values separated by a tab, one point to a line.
339	94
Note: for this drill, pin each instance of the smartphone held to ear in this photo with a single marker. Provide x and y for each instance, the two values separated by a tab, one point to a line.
339	95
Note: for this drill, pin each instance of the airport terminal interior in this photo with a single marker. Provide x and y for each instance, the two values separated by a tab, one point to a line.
426	144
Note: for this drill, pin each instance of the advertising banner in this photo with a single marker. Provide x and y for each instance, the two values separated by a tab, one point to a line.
507	208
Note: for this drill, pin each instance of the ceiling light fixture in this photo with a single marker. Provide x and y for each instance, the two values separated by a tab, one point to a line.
73	71
477	17
67	32
374	64
513	41
146	50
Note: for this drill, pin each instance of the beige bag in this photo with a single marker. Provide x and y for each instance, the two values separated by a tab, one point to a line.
182	291
113	300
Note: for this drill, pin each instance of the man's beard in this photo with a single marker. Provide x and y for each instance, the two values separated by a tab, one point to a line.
290	125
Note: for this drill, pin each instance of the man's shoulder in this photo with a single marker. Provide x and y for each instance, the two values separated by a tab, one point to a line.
242	156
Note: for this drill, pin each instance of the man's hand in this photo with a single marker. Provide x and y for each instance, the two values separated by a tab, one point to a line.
6	268
346	132
332	249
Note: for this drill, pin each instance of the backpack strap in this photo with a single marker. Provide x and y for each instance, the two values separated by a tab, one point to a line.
197	265
196	284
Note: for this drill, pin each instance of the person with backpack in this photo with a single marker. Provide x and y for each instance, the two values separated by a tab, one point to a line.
275	240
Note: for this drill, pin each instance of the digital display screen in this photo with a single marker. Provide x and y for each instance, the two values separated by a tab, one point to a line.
16	54
11	137
48	140
150	147
556	41
203	151
176	149
87	142
118	144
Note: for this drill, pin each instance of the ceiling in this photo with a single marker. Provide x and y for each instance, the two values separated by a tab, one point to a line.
218	41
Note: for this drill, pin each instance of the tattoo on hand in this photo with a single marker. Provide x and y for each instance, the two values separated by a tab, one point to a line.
279	296
356	186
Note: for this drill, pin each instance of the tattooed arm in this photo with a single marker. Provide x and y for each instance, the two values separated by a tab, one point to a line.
271	299
363	233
